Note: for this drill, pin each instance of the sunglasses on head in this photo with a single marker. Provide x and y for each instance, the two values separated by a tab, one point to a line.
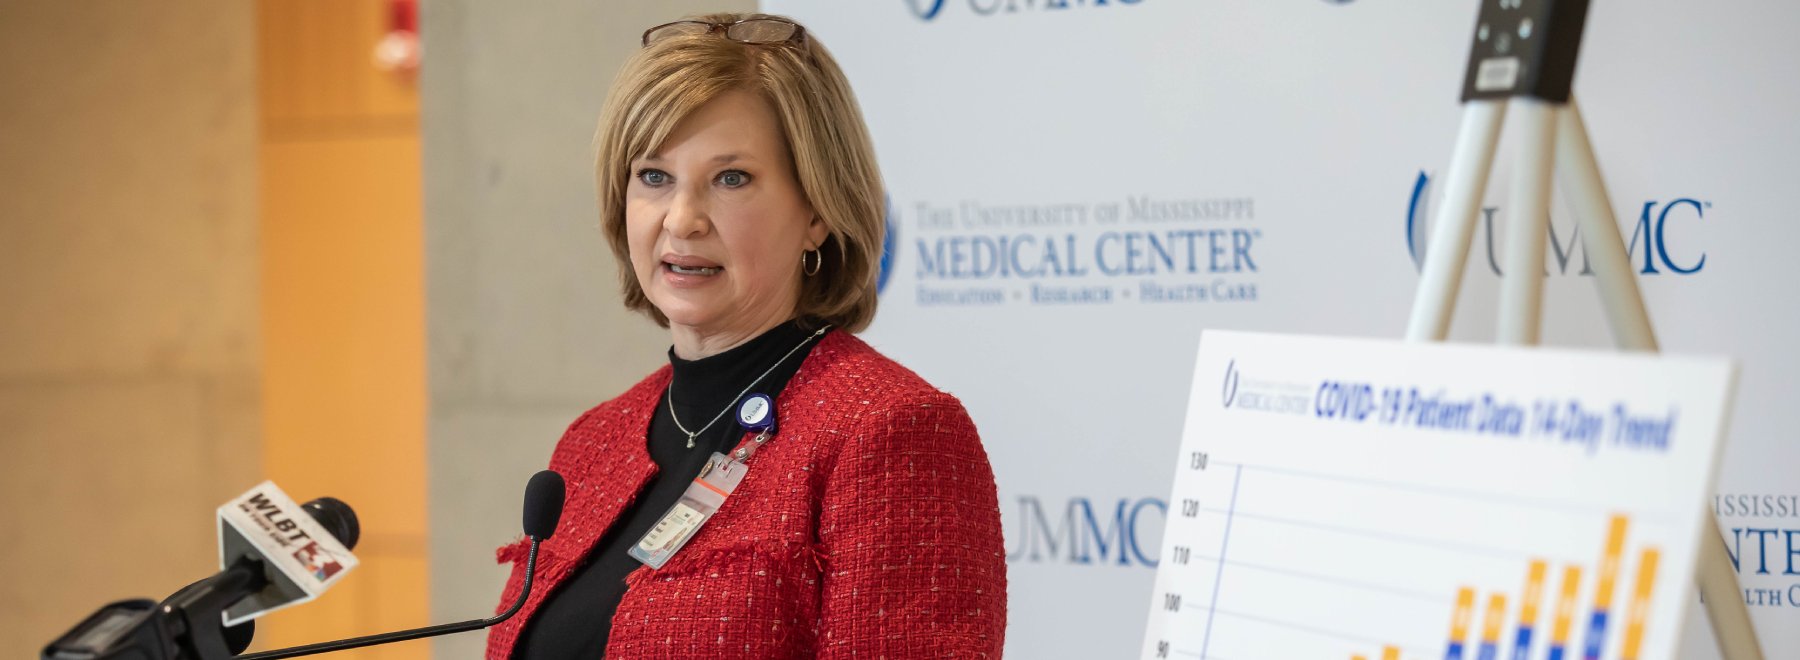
761	31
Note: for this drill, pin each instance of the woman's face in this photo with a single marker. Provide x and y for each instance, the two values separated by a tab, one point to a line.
716	222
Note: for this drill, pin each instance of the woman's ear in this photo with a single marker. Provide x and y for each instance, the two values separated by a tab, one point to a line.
816	233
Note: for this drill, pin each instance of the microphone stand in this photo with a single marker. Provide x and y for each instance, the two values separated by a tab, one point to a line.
192	618
416	633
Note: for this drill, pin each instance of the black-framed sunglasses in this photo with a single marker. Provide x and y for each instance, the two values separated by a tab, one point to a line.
762	31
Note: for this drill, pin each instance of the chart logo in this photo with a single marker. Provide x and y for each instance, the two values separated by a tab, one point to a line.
1263	395
1228	393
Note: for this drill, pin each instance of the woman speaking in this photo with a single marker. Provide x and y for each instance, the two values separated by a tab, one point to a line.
780	489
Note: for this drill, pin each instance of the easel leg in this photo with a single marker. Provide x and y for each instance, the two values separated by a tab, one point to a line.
1454	227
1578	172
1578	175
1522	285
1725	601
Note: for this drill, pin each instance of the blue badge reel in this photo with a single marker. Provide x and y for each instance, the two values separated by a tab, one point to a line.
757	414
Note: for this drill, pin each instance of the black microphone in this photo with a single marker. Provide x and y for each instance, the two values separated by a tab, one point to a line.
188	623
543	504
543	507
337	518
195	609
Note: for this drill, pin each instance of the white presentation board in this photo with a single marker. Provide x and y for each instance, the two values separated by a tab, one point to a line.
1340	498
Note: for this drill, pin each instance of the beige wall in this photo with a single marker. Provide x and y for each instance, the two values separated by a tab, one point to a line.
524	325
129	376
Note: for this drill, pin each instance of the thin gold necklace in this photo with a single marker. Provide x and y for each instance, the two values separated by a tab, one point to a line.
694	434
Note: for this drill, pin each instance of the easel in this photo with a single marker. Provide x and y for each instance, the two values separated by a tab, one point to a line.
1524	54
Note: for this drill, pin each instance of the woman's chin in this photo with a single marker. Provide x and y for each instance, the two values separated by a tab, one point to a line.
680	315
716	320
694	314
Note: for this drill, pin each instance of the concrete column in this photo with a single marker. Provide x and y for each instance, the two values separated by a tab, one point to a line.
525	325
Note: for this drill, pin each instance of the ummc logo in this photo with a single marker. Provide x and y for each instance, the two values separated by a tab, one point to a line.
1648	244
1107	532
927	10
1228	393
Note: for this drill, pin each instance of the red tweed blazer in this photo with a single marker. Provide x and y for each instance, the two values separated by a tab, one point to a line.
869	527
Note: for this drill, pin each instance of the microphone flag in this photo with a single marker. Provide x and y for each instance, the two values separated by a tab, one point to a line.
300	557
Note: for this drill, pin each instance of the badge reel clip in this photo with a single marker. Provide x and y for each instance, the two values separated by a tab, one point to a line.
708	492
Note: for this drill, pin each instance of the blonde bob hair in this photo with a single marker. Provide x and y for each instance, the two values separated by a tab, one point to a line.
833	159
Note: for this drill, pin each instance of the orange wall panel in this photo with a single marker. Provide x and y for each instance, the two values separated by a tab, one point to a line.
344	367
343	318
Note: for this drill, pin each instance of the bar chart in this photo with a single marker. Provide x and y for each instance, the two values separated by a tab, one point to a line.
1293	533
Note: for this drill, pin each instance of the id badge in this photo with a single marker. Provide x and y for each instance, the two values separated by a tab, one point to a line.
703	498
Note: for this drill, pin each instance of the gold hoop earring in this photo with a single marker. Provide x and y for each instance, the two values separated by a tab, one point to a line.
818	261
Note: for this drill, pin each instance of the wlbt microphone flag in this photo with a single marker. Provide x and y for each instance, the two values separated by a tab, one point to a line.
273	553
301	556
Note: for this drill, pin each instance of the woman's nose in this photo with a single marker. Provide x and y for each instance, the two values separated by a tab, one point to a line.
687	216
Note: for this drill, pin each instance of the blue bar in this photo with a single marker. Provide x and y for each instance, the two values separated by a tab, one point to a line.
1596	636
1556	652
1455	651
1522	644
1489	651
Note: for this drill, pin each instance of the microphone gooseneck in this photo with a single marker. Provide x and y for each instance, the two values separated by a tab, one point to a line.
543	507
416	633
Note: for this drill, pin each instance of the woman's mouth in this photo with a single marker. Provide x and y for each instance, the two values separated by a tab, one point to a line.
679	269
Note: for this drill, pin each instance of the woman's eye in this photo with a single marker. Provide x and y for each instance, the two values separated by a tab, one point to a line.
733	178
653	177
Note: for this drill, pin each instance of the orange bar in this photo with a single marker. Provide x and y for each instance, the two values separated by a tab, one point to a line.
1390	653
1534	592
1359	657
1465	612
1609	563
1495	617
1565	605
1639	608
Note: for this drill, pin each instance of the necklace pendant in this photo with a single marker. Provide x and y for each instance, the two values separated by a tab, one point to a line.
669	395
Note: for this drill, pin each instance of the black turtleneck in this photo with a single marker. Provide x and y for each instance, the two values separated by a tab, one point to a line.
575	620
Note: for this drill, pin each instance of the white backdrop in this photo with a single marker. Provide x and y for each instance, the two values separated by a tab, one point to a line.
1078	187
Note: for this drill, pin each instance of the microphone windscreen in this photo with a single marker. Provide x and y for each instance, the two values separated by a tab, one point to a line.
336	517
543	504
237	638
